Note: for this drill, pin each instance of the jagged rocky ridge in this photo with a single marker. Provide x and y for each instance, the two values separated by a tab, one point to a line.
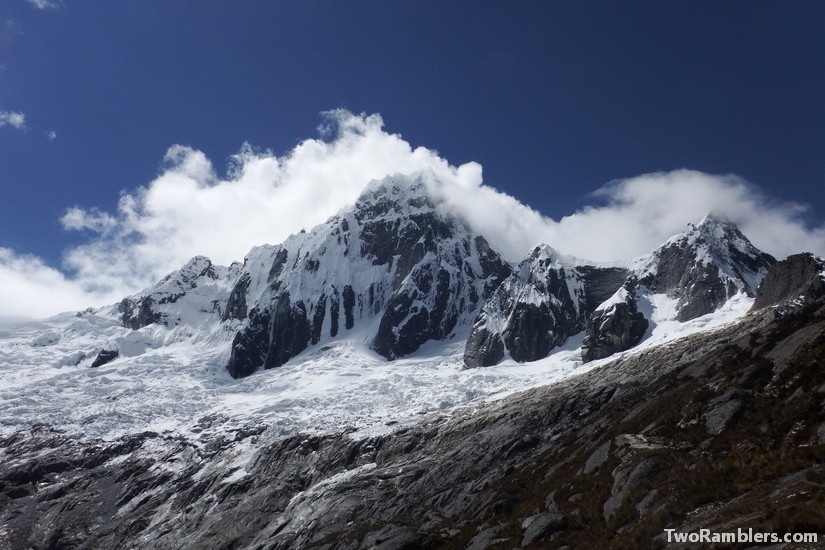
550	297
701	268
598	461
194	294
395	271
392	270
547	299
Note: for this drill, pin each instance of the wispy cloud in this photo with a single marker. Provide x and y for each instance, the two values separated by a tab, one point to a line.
45	4
9	30
189	209
13	119
640	212
51	135
77	219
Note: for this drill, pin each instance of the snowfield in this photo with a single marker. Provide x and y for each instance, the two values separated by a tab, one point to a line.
174	380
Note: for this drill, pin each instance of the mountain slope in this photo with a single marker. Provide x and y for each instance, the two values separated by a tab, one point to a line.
599	458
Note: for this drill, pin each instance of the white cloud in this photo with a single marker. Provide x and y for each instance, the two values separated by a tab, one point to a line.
77	219
45	4
51	135
643	211
13	119
190	209
32	289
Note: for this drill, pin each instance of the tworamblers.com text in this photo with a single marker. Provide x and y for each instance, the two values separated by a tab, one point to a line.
740	535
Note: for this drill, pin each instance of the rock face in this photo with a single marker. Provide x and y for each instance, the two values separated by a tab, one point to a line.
550	297
616	325
547	299
196	293
798	276
393	270
703	267
612	447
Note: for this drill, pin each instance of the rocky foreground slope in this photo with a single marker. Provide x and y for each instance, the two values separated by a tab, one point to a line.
717	430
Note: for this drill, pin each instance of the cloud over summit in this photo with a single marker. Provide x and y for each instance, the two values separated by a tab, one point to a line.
190	209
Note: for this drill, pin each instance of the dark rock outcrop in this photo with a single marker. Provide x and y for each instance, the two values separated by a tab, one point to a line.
105	356
484	348
250	347
614	328
236	307
547	299
797	277
600	283
289	332
532	331
704	266
138	312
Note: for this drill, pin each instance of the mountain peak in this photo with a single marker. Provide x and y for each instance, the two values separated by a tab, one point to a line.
546	254
715	219
704	265
197	266
714	239
720	228
397	194
393	271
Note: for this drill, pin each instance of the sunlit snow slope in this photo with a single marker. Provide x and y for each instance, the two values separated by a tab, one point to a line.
183	387
366	322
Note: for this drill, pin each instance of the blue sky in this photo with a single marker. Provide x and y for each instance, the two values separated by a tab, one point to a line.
553	99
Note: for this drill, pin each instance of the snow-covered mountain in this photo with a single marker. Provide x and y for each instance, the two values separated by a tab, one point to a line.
703	267
546	300
694	273
373	317
550	297
391	272
396	271
376	315
150	423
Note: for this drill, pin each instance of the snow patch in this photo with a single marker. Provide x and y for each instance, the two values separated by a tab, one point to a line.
619	297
